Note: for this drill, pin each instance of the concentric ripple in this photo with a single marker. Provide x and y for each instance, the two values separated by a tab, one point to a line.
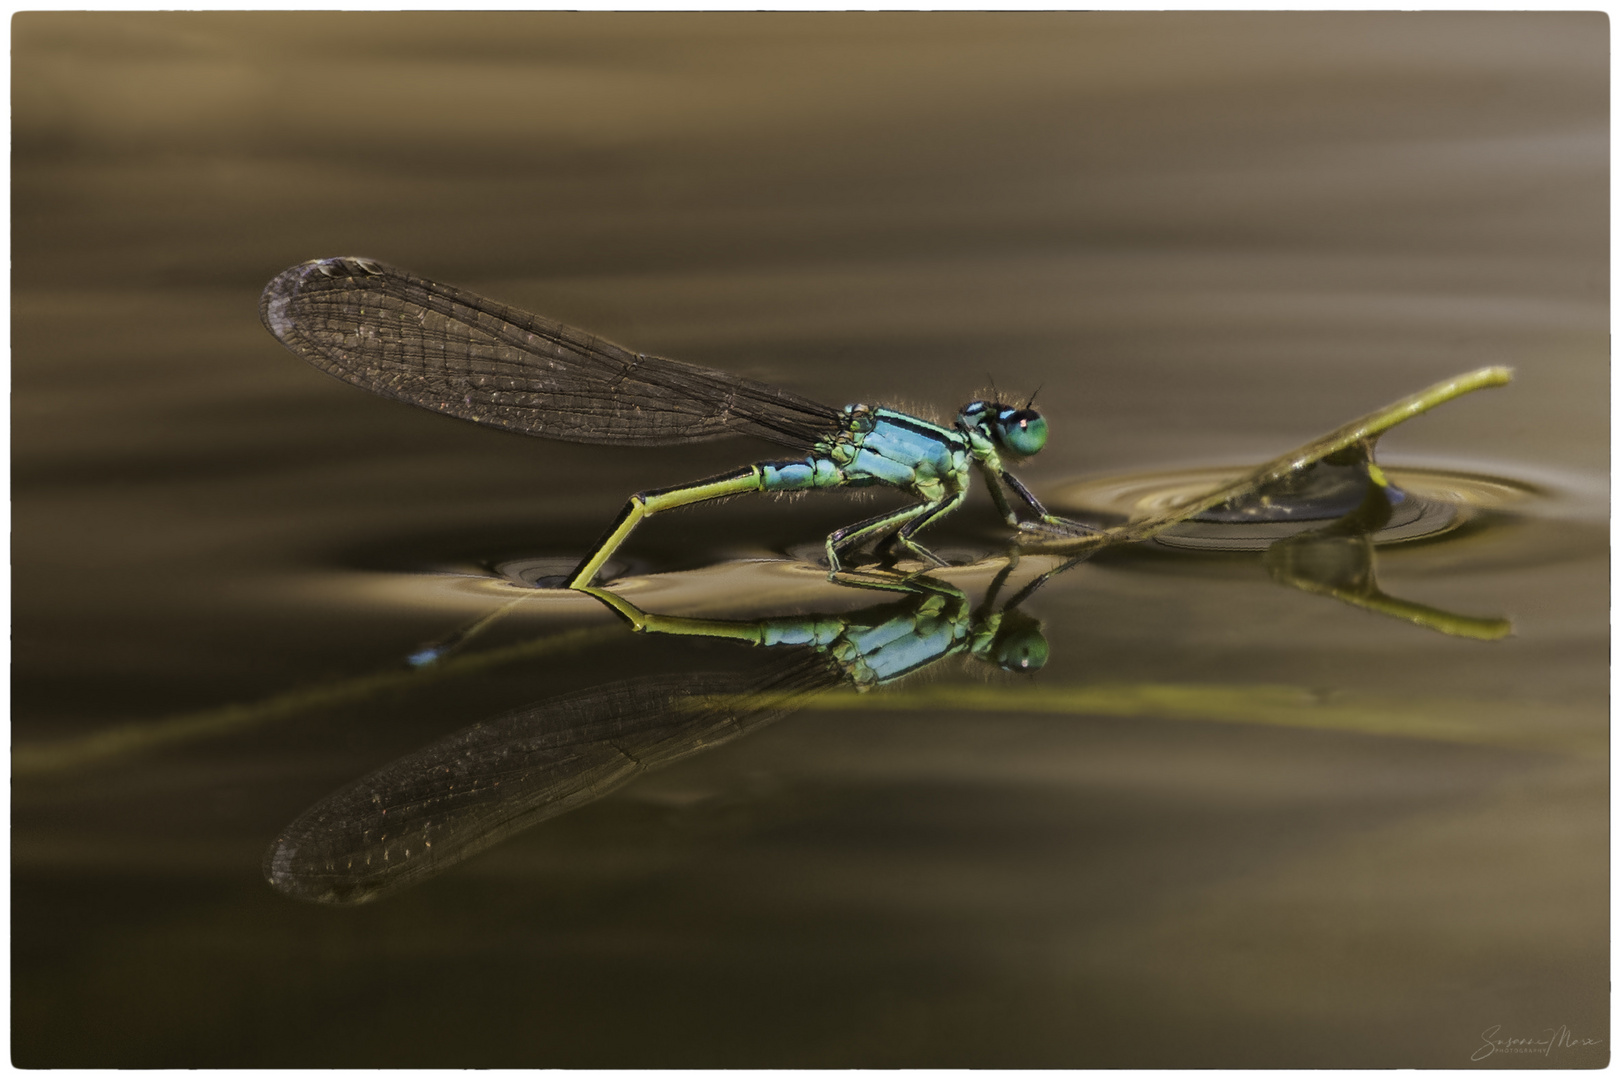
1436	501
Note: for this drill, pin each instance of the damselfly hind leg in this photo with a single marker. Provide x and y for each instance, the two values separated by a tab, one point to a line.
647	503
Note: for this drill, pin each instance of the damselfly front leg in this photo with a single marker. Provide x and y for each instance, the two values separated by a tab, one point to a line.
1045	522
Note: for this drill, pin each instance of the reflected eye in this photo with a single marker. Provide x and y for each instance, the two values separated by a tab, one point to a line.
1022	650
1022	431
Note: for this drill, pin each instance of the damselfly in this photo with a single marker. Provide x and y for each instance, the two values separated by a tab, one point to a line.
457	353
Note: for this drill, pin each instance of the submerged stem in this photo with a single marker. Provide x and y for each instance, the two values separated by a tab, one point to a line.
1364	429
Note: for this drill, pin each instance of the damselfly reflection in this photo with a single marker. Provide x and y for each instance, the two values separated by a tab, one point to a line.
457	353
434	808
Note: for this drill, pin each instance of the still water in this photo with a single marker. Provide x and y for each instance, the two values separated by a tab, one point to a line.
1239	817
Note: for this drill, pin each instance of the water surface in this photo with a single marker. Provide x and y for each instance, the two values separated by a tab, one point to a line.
1230	822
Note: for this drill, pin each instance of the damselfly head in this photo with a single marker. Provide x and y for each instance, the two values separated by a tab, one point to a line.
1021	432
1019	644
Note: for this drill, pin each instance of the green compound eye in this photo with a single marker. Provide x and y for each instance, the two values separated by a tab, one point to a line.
1023	431
1020	647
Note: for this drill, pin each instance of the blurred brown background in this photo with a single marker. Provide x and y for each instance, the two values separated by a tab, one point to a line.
1207	237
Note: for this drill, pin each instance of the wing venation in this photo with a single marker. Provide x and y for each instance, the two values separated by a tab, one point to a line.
457	353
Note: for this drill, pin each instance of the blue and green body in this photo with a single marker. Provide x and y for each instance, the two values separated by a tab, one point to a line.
871	447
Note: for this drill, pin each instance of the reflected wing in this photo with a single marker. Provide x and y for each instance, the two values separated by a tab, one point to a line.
457	353
434	808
